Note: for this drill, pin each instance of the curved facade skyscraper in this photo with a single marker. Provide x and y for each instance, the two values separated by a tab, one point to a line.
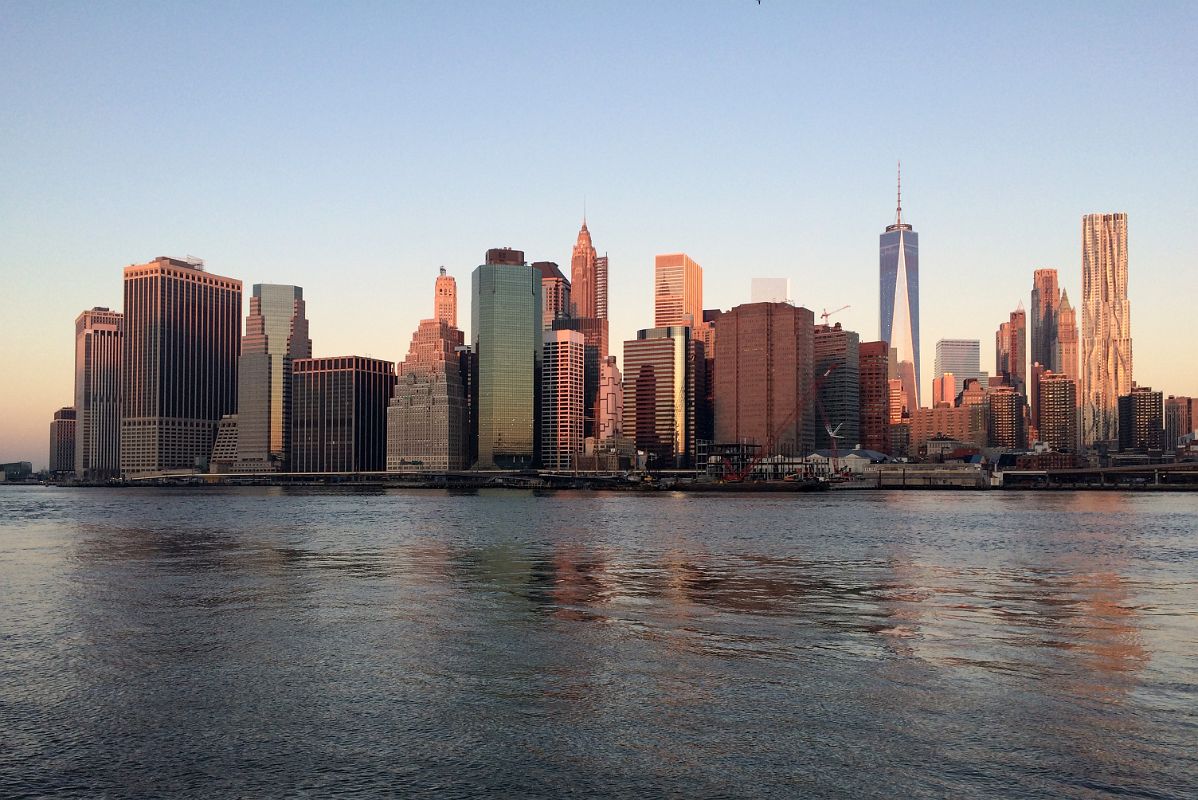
1106	326
899	285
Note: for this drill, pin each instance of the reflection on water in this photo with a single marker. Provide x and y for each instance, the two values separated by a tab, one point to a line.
270	642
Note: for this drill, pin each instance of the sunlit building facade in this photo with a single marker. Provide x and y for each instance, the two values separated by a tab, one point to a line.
99	349
677	291
179	365
562	399
428	418
1058	412
1106	361
1181	419
764	362
661	369
874	396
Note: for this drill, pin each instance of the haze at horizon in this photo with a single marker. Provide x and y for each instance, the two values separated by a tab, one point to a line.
354	152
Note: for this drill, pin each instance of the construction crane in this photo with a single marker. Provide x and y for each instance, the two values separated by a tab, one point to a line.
824	316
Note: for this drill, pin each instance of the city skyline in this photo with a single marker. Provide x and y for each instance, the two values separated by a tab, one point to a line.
761	206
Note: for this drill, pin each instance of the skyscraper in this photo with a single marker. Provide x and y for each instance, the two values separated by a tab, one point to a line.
588	272
835	352
99	348
763	377
677	291
1046	304
276	333
961	357
446	305
609	414
1180	419
562	399
1067	341
1058	412
899	278
339	414
62	441
179	366
1106	326
660	368
874	396
555	294
1005	419
506	316
428	417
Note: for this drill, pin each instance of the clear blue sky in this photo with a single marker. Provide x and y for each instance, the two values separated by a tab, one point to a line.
352	150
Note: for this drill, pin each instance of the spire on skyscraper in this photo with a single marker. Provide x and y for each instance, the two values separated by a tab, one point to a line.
898	211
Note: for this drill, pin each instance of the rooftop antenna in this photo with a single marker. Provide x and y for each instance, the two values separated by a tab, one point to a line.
899	209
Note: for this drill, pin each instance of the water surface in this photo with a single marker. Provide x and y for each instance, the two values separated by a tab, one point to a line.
265	642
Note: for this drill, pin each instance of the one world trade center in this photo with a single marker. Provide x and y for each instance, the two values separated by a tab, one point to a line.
899	280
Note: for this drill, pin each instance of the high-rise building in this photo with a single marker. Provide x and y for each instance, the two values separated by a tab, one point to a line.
1106	370
1045	311
428	416
276	333
1006	427
874	396
1181	419
555	294
339	413
99	348
179	365
677	291
588	272
961	357
594	332
609	414
506	317
836	356
660	367
445	308
1058	411
944	390
942	422
1010	349
770	290
562	399
1067	341
764	362
1141	420
62	441
898	250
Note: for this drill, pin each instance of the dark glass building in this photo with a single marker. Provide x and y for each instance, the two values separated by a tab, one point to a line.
339	414
1141	420
62	442
899	286
179	367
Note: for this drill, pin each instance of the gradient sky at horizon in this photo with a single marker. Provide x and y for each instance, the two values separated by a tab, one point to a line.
354	149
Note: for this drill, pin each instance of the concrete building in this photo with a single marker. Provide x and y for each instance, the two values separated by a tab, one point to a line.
276	333
445	306
99	349
339	413
764	364
1141	420
949	422
179	365
874	396
1045	315
1006	418
1067	341
562	379
944	390
1058	412
506	320
898	248
661	369
961	357
1010	350
609	414
428	418
555	294
1181	418
1106	369
836	355
62	442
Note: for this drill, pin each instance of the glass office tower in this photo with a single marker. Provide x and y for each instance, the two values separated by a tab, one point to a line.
899	283
506	325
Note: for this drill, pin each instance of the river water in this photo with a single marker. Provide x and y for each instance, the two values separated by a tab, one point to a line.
267	643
